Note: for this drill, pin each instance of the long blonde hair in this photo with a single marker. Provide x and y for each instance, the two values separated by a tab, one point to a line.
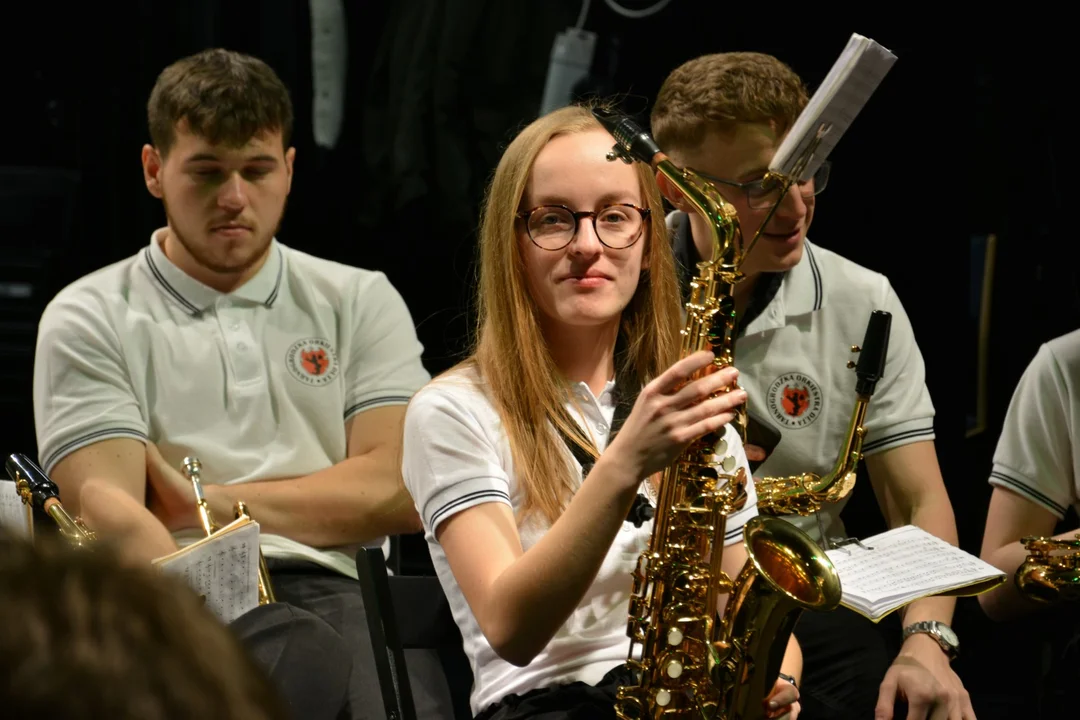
509	350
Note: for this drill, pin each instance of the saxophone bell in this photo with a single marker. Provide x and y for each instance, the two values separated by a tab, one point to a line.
39	492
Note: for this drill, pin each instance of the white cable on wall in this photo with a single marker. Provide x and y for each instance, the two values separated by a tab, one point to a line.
583	14
635	14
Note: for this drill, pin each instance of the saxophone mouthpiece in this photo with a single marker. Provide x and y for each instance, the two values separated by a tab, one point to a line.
42	488
875	347
631	142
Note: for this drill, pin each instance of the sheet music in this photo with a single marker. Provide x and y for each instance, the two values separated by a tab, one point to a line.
223	568
850	83
13	515
905	564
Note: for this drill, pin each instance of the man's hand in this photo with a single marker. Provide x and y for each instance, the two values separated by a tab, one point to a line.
783	702
169	494
922	676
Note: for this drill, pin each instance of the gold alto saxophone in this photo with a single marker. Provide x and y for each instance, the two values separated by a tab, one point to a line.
1047	577
692	663
805	494
193	471
39	492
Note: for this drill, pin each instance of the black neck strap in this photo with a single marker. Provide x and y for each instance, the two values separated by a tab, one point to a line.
625	397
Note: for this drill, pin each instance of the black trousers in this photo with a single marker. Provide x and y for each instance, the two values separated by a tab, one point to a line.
337	601
845	658
308	662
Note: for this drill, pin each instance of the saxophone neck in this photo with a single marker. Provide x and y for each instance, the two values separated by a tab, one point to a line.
720	216
851	451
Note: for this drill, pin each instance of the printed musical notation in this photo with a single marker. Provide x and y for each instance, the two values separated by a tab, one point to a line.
222	568
895	568
14	515
853	78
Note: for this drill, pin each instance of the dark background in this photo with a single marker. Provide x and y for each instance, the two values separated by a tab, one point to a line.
963	138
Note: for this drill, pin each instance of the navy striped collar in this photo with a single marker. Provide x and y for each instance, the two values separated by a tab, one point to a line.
194	297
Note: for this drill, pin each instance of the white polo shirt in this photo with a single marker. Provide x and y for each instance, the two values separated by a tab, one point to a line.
257	383
456	456
792	362
1038	453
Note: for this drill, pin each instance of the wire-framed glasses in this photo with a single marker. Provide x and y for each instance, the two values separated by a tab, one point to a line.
762	195
552	227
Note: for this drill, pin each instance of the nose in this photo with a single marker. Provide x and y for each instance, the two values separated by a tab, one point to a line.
793	205
233	193
585	242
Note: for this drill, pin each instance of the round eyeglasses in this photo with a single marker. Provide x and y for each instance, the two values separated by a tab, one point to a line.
762	194
552	227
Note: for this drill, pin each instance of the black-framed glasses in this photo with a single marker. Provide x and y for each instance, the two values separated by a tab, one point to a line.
552	227
762	195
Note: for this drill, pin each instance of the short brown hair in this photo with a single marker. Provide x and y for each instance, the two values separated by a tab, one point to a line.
223	96
86	637
716	91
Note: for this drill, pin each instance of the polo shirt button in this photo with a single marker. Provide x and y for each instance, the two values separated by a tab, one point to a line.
602	427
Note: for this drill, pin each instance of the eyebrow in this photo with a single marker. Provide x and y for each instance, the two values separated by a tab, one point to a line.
210	157
610	198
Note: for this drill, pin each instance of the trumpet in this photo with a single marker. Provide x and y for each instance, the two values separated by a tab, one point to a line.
193	471
39	492
1046	577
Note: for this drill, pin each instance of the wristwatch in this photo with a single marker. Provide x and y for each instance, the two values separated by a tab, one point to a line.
941	632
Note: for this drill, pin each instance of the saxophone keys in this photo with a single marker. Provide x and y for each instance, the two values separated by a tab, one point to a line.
856	348
729	463
721	447
675	636
673	668
663	697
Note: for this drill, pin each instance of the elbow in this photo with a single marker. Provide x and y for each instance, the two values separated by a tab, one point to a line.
515	653
511	642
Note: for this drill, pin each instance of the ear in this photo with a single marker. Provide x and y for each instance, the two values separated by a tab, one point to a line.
152	164
290	157
672	193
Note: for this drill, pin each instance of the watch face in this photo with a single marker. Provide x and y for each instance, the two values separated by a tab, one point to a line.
948	635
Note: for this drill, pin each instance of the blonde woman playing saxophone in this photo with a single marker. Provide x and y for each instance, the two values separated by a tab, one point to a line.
578	312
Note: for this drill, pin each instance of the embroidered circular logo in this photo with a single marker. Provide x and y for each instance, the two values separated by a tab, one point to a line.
794	400
312	361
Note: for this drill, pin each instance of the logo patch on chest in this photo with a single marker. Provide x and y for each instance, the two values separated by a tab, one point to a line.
794	400
312	361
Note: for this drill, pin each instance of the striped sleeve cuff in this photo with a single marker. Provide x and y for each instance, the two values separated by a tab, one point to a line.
391	397
898	435
1012	480
462	496
50	457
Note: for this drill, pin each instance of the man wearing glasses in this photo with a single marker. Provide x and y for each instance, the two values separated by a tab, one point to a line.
799	310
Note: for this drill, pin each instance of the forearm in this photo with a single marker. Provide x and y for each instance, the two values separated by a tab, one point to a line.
1006	601
535	595
933	513
355	501
792	664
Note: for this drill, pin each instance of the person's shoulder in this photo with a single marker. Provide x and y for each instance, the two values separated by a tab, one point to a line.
461	386
97	291
1064	349
845	282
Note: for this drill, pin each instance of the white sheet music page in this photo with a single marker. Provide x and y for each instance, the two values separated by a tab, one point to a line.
223	568
902	565
13	513
850	83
